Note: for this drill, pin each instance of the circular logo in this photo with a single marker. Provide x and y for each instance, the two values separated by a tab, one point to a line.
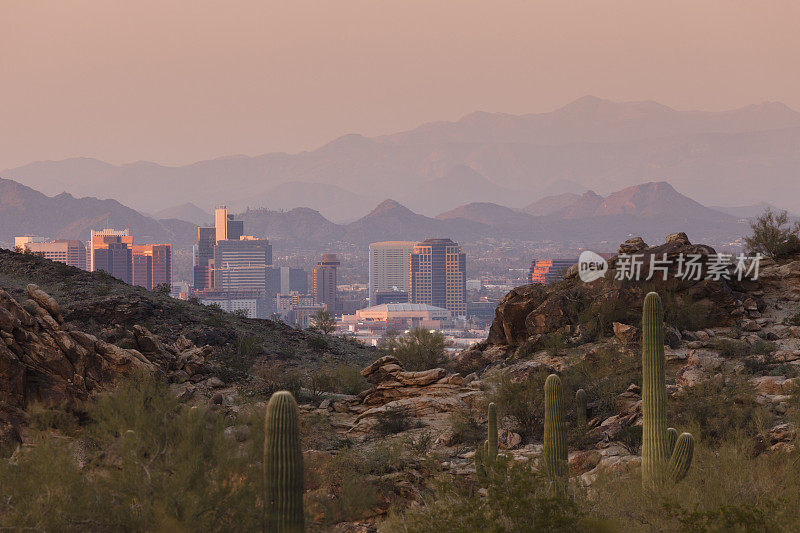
591	266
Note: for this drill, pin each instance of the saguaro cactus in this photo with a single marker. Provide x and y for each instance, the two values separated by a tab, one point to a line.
554	452
283	466
580	407
664	454
492	436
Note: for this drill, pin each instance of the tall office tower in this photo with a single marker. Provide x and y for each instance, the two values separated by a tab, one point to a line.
142	270
111	252
243	265
227	229
152	265
70	252
202	257
389	265
234	228
221	223
550	271
439	275
285	280
324	281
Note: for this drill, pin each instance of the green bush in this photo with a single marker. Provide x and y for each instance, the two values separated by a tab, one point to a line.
44	418
151	464
521	400
793	320
517	499
393	420
465	427
720	409
318	342
419	349
774	235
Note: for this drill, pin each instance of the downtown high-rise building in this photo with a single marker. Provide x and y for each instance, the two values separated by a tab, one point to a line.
549	271
324	284
203	258
389	267
225	228
439	274
111	251
242	265
152	266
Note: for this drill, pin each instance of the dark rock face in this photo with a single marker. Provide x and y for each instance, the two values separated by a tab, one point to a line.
533	310
509	326
43	360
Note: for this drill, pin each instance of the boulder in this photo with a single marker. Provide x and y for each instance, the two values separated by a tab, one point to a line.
625	334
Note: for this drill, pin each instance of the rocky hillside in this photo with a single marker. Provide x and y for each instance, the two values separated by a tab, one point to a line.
75	332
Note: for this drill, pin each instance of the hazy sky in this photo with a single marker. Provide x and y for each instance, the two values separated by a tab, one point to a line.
176	82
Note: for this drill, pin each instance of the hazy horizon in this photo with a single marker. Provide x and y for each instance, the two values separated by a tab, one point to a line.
180	83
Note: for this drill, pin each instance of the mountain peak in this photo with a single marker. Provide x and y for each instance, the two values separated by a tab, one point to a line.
387	205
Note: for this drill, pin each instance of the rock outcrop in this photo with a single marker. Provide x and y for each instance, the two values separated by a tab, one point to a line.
43	360
535	310
416	394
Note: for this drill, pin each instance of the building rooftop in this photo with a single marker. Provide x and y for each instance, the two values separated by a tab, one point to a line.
400	307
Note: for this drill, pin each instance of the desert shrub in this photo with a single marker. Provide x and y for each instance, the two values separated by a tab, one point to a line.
720	409
419	349
730	347
517	499
728	488
248	346
793	320
763	347
339	489
597	320
393	420
44	418
151	464
318	342
603	374
773	235
521	400
553	343
337	378
273	376
465	427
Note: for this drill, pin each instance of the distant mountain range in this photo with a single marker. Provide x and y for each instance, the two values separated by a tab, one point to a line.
24	211
649	210
511	160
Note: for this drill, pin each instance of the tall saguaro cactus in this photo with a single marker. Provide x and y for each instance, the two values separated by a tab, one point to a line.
664	454
492	436
283	466
554	451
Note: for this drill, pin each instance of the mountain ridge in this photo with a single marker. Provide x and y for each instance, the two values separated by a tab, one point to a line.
594	143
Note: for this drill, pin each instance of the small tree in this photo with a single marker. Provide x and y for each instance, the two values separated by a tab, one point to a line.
419	349
773	234
324	321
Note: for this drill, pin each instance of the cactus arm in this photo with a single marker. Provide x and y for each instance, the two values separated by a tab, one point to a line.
672	438
283	466
681	458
